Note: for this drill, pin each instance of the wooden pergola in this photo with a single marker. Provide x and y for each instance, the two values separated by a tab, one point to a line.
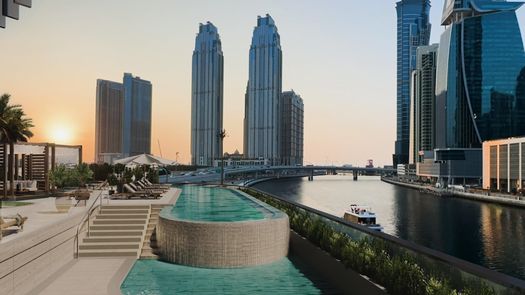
33	166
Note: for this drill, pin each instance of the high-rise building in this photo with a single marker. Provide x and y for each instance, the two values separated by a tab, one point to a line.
422	115
136	134
264	90
123	119
206	96
413	30
292	128
109	120
480	74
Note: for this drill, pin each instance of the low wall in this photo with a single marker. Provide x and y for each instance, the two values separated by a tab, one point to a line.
27	261
224	244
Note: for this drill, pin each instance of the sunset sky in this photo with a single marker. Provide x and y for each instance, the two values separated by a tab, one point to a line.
340	56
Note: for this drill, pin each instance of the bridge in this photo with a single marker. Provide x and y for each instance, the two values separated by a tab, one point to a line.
212	175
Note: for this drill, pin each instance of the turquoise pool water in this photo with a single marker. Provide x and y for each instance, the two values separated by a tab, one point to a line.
151	277
199	203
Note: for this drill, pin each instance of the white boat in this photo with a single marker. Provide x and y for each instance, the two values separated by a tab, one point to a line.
362	215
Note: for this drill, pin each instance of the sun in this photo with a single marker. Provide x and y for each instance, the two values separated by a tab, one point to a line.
61	134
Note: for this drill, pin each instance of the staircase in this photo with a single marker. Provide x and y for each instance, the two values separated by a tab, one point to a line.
150	239
117	230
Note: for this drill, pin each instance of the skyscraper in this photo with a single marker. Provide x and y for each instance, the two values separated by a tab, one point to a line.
109	120
413	30
264	90
423	125
206	96
136	134
481	61
292	128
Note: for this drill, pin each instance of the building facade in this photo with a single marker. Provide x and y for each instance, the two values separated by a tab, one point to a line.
108	121
413	30
423	125
504	165
480	90
206	96
136	134
264	90
292	129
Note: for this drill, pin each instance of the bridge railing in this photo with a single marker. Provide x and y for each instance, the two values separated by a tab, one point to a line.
402	267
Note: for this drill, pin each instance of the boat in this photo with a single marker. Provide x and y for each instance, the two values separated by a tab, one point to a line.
362	215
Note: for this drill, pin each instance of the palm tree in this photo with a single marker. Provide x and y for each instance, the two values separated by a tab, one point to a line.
14	127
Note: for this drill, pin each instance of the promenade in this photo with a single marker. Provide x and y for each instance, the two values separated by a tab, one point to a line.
508	200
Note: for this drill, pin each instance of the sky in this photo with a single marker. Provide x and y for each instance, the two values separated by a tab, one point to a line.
339	55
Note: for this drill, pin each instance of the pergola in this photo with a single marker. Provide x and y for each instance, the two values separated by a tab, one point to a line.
32	163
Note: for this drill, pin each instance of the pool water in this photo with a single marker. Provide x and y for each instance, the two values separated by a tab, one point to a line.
152	277
214	204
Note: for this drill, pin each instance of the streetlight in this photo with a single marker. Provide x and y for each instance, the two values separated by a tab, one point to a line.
222	134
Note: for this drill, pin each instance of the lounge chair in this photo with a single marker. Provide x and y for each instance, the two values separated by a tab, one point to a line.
136	186
142	193
143	186
7	222
165	186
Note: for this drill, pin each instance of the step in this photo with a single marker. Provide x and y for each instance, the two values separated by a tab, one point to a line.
121	239
113	207
107	253
118	227
108	246
122	216
123	211
120	233
119	221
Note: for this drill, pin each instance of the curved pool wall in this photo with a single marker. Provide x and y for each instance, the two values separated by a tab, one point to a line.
213	227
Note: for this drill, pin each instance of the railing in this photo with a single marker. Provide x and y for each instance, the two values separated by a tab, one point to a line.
87	216
399	265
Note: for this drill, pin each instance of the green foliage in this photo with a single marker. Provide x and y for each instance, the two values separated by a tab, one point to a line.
101	172
62	176
400	272
14	125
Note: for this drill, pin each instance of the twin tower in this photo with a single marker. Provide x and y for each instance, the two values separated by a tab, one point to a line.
273	120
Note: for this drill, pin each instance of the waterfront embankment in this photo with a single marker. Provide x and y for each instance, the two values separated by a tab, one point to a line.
515	201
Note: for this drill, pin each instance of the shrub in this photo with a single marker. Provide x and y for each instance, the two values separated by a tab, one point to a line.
399	271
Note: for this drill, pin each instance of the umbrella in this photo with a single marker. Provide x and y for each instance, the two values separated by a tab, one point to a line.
145	159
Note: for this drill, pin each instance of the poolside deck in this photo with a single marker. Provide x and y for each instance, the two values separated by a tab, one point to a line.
41	256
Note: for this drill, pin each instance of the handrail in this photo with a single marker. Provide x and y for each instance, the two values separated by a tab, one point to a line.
87	216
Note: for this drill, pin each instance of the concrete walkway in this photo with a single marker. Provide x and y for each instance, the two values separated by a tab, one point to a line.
88	276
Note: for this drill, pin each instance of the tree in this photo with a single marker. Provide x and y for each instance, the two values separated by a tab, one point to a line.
14	127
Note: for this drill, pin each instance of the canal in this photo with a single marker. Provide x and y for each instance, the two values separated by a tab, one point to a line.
486	234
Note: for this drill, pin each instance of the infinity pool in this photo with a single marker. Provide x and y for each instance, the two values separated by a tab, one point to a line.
151	277
214	204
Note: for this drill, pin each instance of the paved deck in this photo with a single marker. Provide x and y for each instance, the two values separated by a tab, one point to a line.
43	251
88	276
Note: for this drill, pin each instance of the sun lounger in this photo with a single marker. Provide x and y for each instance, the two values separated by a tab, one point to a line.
147	182
7	222
139	185
143	193
136	186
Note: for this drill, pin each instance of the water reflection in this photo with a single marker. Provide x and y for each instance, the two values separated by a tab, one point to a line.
486	234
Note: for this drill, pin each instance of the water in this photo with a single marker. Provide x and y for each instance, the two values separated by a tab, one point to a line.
486	234
215	204
151	277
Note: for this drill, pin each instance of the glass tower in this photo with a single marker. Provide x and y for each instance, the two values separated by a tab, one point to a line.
206	96
480	74
264	90
136	134
413	30
422	136
292	128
